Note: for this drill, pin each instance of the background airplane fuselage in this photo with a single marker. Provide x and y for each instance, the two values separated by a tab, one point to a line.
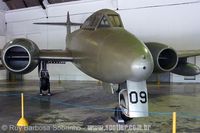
110	54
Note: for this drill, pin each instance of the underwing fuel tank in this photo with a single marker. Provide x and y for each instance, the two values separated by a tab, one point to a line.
186	69
112	55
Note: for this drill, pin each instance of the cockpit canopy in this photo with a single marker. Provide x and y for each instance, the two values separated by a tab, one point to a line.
103	19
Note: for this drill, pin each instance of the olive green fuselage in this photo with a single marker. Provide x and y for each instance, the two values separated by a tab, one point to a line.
110	54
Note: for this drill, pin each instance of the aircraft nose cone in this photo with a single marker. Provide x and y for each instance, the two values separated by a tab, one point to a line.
124	57
142	67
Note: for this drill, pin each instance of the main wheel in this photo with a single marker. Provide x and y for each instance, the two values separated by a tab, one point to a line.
43	84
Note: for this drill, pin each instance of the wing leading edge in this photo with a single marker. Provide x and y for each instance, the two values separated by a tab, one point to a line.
55	55
188	53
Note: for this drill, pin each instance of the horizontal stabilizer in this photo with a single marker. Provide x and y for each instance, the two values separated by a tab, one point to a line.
68	24
59	24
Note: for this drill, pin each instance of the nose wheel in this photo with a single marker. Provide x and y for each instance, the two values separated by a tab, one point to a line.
118	116
133	101
44	78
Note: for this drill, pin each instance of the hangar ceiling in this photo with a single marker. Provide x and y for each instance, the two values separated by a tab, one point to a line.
18	4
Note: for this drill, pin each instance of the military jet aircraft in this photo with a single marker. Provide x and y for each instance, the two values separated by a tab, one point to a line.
104	50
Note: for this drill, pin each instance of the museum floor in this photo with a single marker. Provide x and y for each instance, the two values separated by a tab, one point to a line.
86	106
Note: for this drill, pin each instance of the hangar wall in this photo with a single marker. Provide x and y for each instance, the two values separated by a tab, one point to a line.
175	23
2	23
2	39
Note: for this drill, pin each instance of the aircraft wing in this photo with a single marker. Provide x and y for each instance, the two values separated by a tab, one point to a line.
55	55
51	55
188	53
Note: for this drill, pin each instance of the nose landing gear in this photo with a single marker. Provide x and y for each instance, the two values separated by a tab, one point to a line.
133	101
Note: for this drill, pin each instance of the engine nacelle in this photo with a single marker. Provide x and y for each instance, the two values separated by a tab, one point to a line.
165	58
20	55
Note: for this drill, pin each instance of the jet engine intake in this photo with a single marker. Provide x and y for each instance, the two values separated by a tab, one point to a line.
20	55
165	58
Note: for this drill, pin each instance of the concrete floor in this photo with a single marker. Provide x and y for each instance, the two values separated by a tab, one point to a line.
86	106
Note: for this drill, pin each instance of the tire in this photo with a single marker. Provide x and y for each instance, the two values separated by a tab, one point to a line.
44	84
125	118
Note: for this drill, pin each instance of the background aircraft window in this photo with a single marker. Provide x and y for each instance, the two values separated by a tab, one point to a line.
115	20
104	22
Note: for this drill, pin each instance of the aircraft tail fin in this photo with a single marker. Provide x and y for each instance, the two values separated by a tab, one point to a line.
68	24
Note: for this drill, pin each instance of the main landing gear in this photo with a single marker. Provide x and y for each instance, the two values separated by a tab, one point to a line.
44	78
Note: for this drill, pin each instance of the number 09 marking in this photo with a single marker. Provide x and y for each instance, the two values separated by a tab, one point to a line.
134	97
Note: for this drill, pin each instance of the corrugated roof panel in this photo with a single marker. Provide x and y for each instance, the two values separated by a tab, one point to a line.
59	1
17	4
30	3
